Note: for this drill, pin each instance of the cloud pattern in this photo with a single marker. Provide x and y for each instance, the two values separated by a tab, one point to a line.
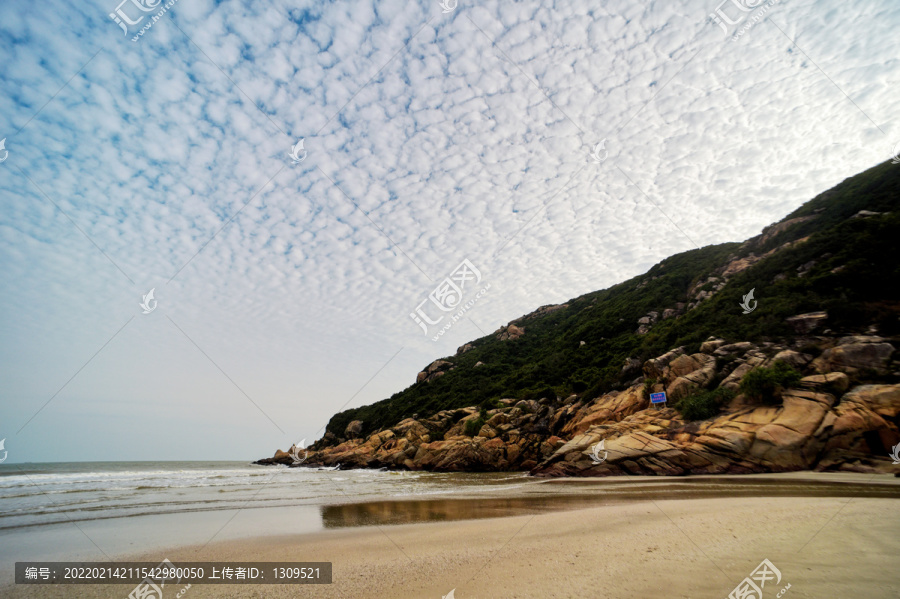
432	137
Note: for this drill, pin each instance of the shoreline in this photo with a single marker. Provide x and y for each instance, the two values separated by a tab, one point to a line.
553	494
695	547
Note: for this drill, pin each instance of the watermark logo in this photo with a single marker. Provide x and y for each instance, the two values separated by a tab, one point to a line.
895	455
600	153
3	151
122	19
166	571
449	6
295	452
739	10
449	595
298	154
3	449
746	303
752	586
721	17
895	153
595	452
139	9
146	303
448	296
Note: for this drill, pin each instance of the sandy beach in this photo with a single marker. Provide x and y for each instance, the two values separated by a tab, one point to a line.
824	547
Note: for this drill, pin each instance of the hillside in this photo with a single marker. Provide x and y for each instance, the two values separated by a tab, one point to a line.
832	260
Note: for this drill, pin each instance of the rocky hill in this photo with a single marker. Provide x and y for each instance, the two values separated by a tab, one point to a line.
807	379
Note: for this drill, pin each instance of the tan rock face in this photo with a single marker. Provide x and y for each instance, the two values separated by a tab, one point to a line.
498	419
740	264
808	431
853	357
773	230
795	359
681	366
883	400
854	339
438	365
837	381
702	377
735	348
818	425
805	323
410	429
653	368
510	333
612	406
680	388
803	411
733	380
711	345
435	370
487	432
353	429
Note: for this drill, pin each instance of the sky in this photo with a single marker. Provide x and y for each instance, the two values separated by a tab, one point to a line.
533	150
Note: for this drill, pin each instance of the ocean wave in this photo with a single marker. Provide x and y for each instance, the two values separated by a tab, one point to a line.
101	492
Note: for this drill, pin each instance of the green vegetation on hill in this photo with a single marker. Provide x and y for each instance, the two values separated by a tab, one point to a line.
846	266
766	384
704	404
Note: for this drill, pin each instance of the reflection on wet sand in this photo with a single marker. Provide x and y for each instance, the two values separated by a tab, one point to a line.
435	510
582	494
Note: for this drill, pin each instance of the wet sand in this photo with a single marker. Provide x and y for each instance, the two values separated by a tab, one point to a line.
842	541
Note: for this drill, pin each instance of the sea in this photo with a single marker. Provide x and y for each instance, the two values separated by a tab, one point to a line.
57	493
110	511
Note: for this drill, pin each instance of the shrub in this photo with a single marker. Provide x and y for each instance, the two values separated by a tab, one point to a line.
473	426
692	347
491	403
596	390
767	384
547	393
703	405
539	394
648	387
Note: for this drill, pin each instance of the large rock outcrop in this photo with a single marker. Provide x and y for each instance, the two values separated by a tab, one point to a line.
809	431
854	354
827	421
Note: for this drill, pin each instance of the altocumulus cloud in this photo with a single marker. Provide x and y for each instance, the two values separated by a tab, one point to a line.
431	138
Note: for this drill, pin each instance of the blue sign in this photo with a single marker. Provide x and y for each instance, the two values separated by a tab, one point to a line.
658	397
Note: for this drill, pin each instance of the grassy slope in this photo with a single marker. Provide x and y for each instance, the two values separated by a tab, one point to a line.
549	358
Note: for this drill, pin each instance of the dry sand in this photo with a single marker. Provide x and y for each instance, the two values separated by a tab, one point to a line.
826	548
